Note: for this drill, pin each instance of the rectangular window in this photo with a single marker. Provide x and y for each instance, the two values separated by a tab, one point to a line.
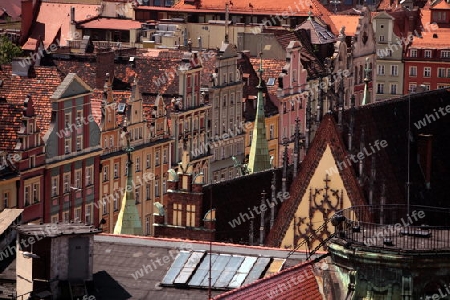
412	87
66	182
157	158
79	118
147	225
427	53
105	173
393	89
36	192
271	132
116	200
164	186
413	53
157	188
165	156
224	100
177	214
190	215
138	164
55	186
413	71
445	54
79	143
104	205
441	72
5	199
427	72
137	194
380	70
380	88
27	195
88	214
78	214
116	170
381	38
394	70
89	175
67	146
148	161
67	121
147	191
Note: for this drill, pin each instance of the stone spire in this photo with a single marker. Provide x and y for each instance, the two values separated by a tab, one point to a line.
128	221
259	159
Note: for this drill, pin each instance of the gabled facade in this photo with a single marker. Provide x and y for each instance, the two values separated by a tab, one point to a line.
72	155
227	126
390	66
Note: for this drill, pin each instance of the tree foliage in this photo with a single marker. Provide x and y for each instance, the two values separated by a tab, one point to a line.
8	50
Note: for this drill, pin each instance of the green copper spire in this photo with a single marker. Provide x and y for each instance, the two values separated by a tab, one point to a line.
128	221
366	98
259	159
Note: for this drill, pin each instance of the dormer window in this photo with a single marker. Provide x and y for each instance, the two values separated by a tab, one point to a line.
427	54
413	53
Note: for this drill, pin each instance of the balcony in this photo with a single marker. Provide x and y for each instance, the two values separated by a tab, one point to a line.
393	227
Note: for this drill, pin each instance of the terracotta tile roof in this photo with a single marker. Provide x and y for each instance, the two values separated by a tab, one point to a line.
327	134
259	7
53	22
12	7
10	122
110	23
40	86
272	69
283	36
440	4
297	282
350	23
437	39
426	16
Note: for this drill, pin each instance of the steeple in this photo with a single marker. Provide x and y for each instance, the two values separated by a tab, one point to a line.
128	221
366	98
259	159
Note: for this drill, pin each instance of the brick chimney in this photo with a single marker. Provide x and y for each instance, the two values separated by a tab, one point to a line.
105	64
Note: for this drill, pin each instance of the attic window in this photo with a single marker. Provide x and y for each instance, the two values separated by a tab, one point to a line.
271	81
435	36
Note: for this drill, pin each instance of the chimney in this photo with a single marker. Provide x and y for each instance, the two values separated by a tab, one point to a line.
72	15
72	25
424	156
105	64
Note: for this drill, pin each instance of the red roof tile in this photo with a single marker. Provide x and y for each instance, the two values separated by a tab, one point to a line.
297	282
40	87
272	69
55	17
10	121
110	23
12	7
437	39
350	23
440	4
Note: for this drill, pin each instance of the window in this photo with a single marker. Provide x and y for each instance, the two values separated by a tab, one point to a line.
55	186
36	192
78	183
380	88
427	72
66	217
190	215
55	219
88	214
89	173
67	146
381	38
78	214
427	87
177	214
380	70
79	118
67	121
427	53
157	158
445	54
116	200
164	186
27	195
105	173
441	72
5	199
79	143
138	164
271	132
394	70
413	53
111	141
412	87
66	181
443	86
413	71
165	156
147	225
104	205
32	161
148	161
224	100
137	194
116	170
393	89
147	191
157	188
